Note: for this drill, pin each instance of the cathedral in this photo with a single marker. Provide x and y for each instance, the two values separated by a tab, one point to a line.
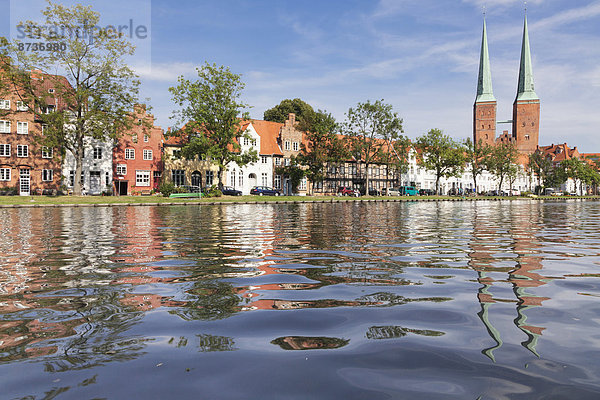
526	107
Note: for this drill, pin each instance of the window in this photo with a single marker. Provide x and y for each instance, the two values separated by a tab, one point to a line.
264	159
4	174
287	145
295	146
232	178
277	161
209	178
130	154
178	177
22	106
46	152
22	128
146	138
22	150
4	126
142	178
241	179
107	179
302	184
97	153
265	181
4	104
47	175
134	138
50	90
286	161
121	169
526	137
147	154
4	150
44	128
71	178
48	109
246	141
177	154
277	182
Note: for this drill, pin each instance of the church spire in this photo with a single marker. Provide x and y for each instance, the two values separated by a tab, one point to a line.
484	82
526	91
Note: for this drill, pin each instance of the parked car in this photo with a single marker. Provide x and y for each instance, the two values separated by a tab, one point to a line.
426	192
346	191
229	191
496	193
264	191
372	192
408	191
391	191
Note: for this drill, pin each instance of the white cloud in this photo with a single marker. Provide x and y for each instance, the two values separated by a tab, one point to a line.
165	72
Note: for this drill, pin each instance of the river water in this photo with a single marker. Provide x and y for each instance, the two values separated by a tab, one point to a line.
422	300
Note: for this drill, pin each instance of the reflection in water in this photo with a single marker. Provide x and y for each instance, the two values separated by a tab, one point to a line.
309	343
97	289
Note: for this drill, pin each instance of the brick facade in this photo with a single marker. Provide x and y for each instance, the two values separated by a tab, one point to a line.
137	156
484	122
526	125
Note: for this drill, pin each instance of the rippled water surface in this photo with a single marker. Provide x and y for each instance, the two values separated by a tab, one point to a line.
487	300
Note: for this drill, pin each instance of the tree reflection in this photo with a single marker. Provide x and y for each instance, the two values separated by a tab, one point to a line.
309	343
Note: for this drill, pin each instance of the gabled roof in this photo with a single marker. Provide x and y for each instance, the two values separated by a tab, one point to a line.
559	152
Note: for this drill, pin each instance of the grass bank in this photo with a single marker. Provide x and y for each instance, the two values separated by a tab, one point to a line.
33	201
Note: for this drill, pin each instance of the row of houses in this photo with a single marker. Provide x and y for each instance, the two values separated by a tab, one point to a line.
141	158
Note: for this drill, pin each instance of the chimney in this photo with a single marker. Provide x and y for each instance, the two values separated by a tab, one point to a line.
292	119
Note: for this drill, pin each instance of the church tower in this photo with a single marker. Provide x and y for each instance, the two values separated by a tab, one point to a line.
526	108
484	109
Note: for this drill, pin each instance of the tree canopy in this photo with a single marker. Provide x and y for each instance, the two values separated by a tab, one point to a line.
304	112
501	161
440	154
476	155
98	91
212	116
370	127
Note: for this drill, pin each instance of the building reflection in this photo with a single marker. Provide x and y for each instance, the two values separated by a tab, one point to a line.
516	237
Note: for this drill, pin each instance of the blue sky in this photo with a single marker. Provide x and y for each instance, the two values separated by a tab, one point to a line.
420	55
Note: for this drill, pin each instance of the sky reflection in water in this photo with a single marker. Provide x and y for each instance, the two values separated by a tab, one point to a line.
416	300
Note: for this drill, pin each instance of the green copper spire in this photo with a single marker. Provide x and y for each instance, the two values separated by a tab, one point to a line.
525	90
484	82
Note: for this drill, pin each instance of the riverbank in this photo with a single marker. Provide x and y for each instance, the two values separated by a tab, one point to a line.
99	201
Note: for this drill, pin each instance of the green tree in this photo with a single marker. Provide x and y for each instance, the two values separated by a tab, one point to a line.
98	90
540	166
369	127
440	154
501	160
322	147
213	117
476	155
304	112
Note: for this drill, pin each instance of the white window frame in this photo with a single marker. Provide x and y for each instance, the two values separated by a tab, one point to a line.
21	106
4	126
4	104
277	182
142	178
265	179
130	154
22	150
97	153
147	154
5	150
287	145
264	159
47	175
5	174
22	128
134	138
277	160
210	177
295	146
122	169
146	138
47	152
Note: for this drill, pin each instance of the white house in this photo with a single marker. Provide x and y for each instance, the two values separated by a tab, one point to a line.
97	169
259	173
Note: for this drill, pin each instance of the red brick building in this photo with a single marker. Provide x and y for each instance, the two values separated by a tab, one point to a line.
137	156
526	107
26	167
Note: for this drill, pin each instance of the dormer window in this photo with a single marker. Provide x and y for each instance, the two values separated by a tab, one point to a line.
50	90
